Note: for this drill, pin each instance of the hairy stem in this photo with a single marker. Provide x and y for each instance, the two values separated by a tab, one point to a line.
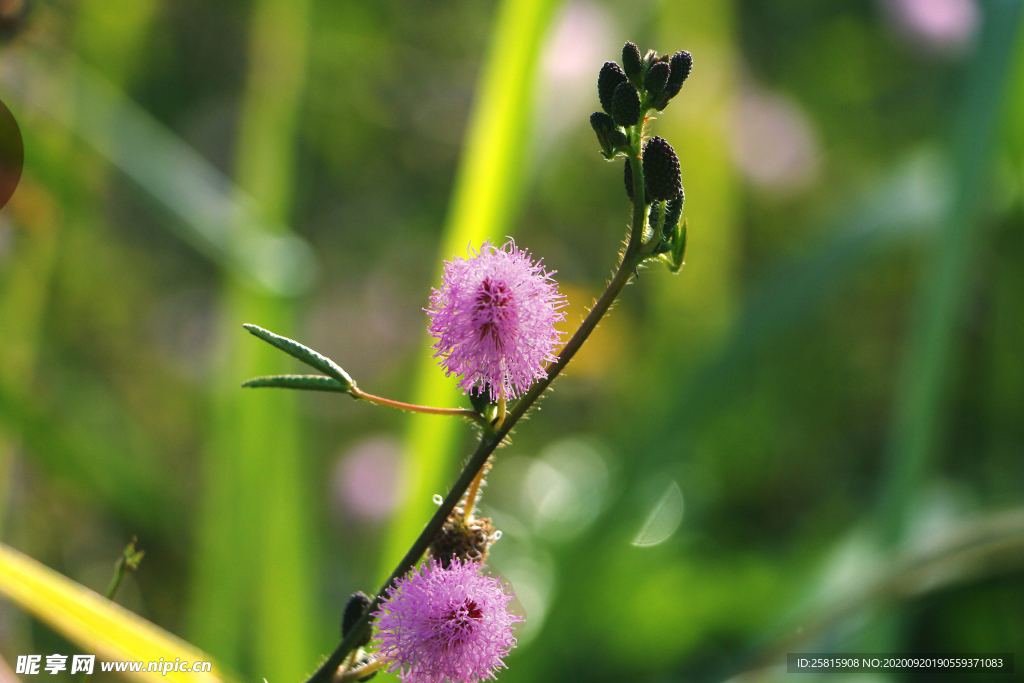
631	258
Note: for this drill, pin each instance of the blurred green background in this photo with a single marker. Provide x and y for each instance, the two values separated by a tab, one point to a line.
812	439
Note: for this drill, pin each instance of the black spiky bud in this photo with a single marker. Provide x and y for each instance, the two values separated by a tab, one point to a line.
626	105
632	62
656	78
607	81
355	608
661	169
627	179
682	64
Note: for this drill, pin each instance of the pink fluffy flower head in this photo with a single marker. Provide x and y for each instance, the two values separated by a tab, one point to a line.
494	319
441	624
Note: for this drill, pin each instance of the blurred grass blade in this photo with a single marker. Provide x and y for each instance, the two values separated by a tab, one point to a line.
945	280
94	461
485	200
307	382
302	353
973	550
216	217
253	599
906	200
95	624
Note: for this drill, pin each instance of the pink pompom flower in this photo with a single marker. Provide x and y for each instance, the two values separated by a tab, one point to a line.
446	624
494	320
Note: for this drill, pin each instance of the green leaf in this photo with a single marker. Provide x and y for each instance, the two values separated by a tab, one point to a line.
304	354
679	247
307	382
675	251
97	625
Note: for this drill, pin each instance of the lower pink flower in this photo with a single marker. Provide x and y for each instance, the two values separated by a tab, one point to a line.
446	624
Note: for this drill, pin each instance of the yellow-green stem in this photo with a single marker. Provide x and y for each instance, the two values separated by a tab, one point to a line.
362	672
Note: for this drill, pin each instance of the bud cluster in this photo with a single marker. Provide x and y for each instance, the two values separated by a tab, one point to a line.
627	93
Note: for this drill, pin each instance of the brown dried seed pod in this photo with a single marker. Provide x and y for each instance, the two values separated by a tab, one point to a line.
470	542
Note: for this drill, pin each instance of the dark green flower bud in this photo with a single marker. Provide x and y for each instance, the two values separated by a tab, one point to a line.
626	105
628	180
354	609
661	101
603	126
609	79
652	219
682	64
619	141
480	397
632	63
656	78
673	212
601	122
661	169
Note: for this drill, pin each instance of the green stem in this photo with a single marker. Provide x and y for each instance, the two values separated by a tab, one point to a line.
126	564
631	258
413	408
